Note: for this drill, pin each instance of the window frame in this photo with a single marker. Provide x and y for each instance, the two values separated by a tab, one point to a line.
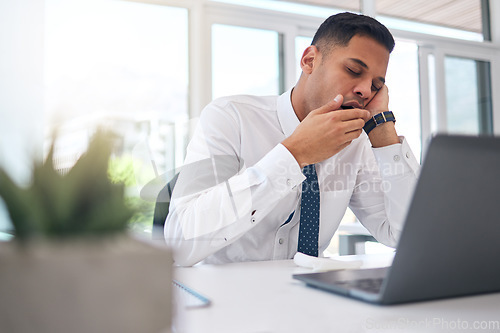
440	48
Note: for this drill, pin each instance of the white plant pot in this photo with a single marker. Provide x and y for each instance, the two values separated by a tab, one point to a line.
116	284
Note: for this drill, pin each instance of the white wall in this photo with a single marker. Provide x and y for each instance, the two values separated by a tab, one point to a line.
21	87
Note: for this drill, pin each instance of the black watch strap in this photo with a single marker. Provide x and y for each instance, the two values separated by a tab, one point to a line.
378	119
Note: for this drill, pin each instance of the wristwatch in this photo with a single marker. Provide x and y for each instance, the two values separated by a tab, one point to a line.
378	119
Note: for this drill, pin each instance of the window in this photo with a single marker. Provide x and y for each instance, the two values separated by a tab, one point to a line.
318	8
244	61
301	43
112	64
468	96
402	79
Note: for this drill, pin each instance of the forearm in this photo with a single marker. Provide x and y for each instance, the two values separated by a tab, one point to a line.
383	135
382	205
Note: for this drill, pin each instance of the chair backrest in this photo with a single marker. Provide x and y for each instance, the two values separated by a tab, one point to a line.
162	206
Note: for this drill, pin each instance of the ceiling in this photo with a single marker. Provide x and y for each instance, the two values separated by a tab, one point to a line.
458	14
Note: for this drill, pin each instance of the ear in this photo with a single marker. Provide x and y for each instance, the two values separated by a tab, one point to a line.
309	59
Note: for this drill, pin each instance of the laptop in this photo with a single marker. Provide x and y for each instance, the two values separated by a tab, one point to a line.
450	243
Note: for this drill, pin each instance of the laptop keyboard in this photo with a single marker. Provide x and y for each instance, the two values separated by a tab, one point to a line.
368	285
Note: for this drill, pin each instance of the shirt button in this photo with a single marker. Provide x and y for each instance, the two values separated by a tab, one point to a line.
289	182
281	241
407	154
253	220
396	158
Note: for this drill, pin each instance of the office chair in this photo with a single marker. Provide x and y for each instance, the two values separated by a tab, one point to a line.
162	206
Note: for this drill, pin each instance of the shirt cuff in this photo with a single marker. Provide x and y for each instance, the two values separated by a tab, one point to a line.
281	168
396	159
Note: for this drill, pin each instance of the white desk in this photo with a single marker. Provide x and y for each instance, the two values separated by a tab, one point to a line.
260	297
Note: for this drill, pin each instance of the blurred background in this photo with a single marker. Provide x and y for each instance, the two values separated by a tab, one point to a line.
146	68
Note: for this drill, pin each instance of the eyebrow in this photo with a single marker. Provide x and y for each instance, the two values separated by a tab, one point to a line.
362	64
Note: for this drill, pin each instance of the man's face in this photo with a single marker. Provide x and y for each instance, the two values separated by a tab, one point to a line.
356	71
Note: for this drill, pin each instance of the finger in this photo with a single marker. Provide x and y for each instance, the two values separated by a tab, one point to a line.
351	114
333	105
349	136
344	145
353	125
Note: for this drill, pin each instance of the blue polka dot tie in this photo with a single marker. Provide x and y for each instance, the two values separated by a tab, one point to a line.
309	213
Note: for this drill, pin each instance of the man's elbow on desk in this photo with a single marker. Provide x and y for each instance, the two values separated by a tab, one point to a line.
185	261
185	252
188	251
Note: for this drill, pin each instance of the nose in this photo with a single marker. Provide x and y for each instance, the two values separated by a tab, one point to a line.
364	89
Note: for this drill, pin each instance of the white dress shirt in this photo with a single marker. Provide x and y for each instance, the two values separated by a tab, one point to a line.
240	184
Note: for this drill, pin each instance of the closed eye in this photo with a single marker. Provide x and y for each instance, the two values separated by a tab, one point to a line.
353	72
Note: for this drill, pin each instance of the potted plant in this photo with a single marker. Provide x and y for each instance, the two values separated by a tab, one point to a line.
71	266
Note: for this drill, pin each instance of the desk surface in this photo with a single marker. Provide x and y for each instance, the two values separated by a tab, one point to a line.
260	297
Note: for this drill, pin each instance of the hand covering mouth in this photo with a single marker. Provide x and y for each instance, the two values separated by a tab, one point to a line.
351	105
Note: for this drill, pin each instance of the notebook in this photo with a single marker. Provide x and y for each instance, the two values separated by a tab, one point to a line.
450	243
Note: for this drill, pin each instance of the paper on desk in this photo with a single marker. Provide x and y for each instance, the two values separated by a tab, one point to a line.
323	264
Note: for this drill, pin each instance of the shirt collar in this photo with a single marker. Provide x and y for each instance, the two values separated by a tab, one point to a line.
286	115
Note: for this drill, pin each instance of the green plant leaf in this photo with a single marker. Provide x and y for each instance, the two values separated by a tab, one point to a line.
82	202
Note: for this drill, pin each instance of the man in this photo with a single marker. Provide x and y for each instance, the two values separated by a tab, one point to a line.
243	194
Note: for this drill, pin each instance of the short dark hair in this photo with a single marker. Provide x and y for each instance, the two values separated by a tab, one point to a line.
337	30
